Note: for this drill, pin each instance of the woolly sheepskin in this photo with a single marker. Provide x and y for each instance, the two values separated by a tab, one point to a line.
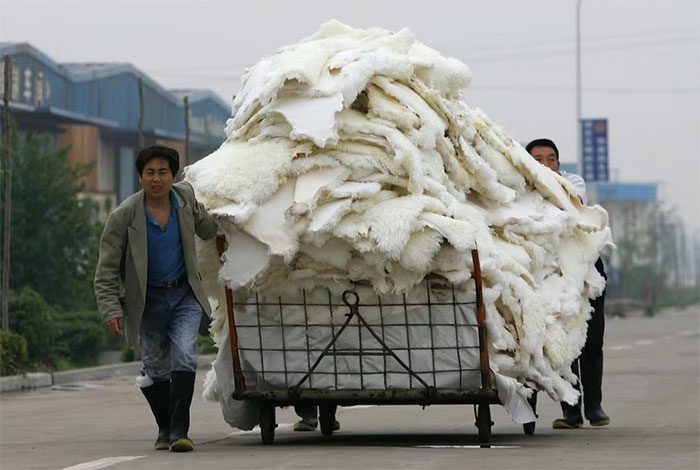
350	156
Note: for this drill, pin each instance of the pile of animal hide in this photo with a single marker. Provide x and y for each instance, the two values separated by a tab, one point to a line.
350	156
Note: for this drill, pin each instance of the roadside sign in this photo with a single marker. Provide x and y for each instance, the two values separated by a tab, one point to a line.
594	146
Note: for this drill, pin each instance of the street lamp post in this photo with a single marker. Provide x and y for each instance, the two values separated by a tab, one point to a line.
579	153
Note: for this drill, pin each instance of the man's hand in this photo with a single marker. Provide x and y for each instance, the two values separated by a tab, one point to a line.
114	327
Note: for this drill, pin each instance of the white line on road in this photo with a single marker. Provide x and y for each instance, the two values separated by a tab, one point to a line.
649	342
103	462
256	429
484	446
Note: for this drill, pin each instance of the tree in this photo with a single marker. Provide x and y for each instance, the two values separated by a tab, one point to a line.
13	353
33	318
54	230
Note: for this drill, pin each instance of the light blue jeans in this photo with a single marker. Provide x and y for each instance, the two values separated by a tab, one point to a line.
169	328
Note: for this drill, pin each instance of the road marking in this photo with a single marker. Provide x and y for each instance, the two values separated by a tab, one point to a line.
76	387
482	446
103	462
256	430
649	342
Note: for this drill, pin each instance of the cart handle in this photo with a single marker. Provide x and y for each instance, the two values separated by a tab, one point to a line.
352	303
238	378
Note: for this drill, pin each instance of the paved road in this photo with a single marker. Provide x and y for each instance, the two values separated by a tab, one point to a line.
652	393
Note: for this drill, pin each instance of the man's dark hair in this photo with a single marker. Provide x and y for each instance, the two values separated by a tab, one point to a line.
542	143
158	151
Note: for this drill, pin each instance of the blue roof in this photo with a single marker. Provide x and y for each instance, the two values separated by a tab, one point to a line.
106	94
201	95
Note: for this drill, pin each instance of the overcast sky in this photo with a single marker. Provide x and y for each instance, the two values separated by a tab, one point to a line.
640	61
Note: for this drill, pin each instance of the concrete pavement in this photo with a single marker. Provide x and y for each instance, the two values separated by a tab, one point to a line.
651	391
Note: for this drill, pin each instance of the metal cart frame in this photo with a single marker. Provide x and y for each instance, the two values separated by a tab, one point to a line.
328	399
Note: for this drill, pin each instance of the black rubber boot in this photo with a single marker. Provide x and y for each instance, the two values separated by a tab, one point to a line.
181	390
592	362
572	417
158	397
592	374
572	413
597	416
309	417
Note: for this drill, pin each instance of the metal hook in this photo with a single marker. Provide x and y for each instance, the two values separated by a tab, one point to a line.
352	305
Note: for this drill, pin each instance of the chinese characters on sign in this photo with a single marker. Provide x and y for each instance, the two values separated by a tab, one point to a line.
594	142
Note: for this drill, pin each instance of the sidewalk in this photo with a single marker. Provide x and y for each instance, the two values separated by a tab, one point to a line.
32	380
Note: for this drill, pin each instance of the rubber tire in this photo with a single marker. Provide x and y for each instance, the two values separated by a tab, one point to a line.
529	428
326	418
267	424
483	422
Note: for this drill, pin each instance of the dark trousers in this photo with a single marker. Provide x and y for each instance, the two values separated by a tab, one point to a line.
589	366
308	413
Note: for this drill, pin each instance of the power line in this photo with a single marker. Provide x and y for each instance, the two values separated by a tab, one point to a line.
484	59
559	89
569	41
693	32
198	75
560	51
569	50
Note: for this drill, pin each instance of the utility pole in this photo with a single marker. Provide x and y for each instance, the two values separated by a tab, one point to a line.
142	142
683	252
696	250
186	101
579	152
7	197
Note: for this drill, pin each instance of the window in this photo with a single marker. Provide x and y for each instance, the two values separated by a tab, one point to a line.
39	87
27	86
14	83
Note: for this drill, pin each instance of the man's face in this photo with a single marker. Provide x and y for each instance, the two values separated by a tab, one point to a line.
546	156
157	178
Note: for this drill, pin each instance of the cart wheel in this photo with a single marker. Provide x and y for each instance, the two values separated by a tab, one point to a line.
326	417
529	428
483	422
267	424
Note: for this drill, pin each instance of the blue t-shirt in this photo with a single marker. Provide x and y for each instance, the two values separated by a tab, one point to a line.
166	261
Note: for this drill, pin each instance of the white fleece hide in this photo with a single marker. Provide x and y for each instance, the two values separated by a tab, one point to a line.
268	224
311	117
352	157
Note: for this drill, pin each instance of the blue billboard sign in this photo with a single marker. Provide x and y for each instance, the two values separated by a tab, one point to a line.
605	191
594	146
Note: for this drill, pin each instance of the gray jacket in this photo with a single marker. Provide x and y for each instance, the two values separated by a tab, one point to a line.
122	269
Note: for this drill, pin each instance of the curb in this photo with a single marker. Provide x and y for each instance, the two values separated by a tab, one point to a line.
27	381
32	380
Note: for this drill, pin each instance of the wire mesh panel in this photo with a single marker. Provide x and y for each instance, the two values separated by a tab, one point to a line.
427	338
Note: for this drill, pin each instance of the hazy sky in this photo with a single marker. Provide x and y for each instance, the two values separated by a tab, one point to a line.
640	61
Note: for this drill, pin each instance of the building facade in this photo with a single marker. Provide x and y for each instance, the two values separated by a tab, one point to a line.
96	110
